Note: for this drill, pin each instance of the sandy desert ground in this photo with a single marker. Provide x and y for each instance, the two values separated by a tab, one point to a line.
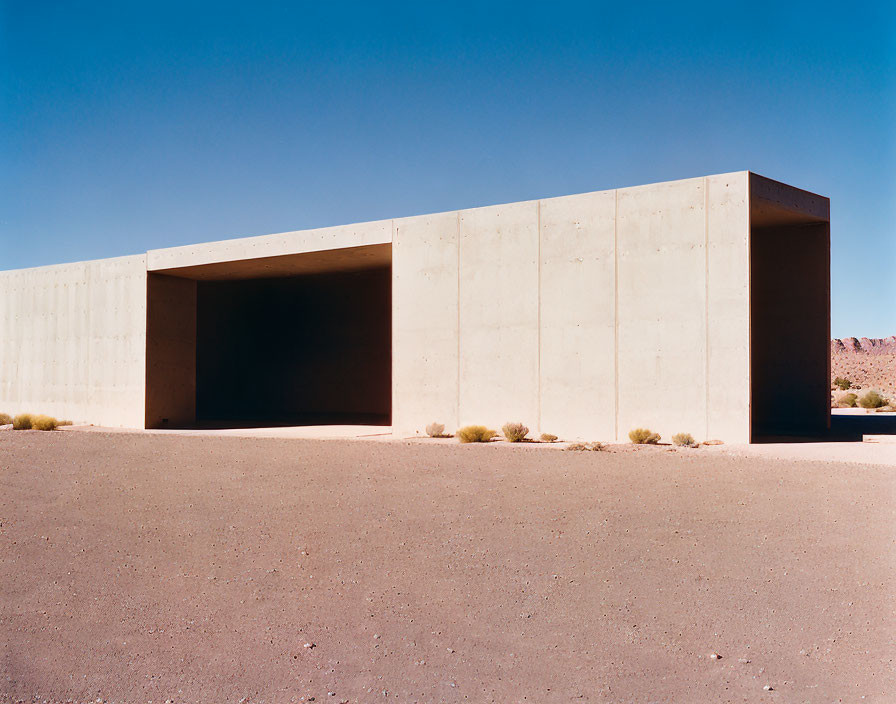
138	567
867	363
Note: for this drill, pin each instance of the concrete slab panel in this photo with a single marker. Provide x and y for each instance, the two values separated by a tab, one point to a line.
425	322
661	324
499	315
286	243
728	307
73	343
578	316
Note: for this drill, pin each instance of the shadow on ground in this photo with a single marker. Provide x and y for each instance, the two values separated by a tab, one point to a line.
844	428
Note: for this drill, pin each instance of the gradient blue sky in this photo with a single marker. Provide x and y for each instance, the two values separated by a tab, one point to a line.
129	126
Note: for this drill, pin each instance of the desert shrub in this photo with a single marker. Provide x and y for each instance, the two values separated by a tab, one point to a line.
65	422
515	432
22	421
41	422
872	400
684	440
547	437
842	384
848	400
475	433
585	447
5	419
643	436
435	430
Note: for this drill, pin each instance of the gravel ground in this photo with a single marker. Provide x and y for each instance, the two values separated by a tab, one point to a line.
139	568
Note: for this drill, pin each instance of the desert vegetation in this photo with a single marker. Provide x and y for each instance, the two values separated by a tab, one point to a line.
684	440
643	436
847	401
435	430
5	419
585	447
515	432
547	437
475	433
842	384
872	399
31	421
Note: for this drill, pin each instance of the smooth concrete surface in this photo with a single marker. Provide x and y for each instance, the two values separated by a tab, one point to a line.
425	322
286	243
170	351
728	307
584	316
577	274
73	341
498	311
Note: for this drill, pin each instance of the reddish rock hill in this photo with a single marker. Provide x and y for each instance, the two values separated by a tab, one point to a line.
869	363
877	345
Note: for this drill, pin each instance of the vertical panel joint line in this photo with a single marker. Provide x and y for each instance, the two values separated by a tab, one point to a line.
538	316
457	399
616	314
706	301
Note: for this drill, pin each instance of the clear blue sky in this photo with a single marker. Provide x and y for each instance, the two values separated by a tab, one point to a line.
129	126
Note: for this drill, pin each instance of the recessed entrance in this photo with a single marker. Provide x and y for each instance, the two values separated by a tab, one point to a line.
239	345
789	316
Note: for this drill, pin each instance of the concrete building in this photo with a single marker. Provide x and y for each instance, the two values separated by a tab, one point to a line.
700	305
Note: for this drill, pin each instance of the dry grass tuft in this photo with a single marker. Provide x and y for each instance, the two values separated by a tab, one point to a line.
872	400
515	432
475	433
5	419
643	436
41	422
22	421
684	440
842	384
435	430
585	447
547	437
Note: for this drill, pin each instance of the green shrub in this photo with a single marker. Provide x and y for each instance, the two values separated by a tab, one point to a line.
41	422
684	440
848	400
547	437
475	433
22	421
643	436
842	384
872	400
515	432
5	419
435	430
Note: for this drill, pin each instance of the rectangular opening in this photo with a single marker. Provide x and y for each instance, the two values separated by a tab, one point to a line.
236	344
789	313
303	350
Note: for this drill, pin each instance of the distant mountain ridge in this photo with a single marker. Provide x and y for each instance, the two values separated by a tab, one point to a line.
872	345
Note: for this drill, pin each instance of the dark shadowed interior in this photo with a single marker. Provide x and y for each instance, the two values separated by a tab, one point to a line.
299	339
790	330
302	350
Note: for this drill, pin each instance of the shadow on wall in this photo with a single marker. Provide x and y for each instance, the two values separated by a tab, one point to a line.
304	350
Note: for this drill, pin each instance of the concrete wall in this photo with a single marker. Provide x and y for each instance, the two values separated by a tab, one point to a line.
584	316
73	342
170	352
